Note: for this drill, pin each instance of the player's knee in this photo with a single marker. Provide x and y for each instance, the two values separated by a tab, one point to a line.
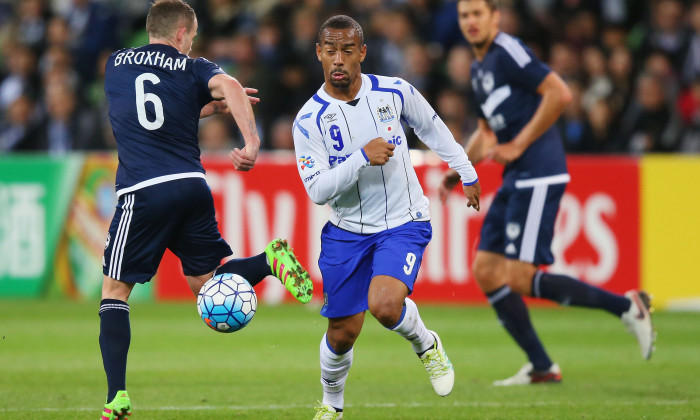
519	275
519	284
485	275
114	289
386	311
341	340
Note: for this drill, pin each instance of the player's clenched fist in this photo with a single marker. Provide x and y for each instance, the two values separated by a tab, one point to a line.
243	159
378	151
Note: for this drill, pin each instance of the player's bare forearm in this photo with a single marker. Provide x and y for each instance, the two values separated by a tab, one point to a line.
449	180
480	142
236	97
213	107
555	97
242	112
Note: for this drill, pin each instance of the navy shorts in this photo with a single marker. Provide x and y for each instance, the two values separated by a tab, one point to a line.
178	215
349	261
520	221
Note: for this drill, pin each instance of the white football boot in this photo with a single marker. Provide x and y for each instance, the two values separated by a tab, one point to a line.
527	375
637	319
438	365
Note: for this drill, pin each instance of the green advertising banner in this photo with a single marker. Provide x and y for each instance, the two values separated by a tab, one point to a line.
78	272
35	194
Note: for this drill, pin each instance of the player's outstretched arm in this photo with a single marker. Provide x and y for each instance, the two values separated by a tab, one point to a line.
223	86
555	96
480	145
432	131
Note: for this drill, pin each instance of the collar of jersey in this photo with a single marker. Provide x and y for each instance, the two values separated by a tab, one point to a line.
366	84
163	47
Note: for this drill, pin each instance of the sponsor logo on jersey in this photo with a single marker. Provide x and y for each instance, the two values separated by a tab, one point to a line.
306	162
395	140
337	159
330	117
385	114
510	249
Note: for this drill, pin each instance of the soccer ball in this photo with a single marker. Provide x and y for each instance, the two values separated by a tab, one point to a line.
227	302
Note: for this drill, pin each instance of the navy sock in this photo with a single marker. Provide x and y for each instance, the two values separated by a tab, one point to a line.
514	317
569	291
115	337
254	269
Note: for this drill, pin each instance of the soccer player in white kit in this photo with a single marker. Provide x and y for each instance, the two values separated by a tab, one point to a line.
352	154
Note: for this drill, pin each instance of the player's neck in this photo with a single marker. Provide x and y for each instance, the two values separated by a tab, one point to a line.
167	42
480	51
344	94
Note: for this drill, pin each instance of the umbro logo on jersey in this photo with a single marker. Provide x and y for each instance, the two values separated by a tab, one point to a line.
330	117
385	114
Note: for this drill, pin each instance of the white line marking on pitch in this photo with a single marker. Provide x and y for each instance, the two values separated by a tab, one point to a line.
474	404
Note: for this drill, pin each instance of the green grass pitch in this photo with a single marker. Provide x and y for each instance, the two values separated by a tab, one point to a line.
50	366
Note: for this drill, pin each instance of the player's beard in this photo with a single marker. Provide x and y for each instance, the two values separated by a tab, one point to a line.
343	83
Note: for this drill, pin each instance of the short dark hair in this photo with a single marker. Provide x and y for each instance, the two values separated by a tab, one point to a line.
492	4
166	15
341	22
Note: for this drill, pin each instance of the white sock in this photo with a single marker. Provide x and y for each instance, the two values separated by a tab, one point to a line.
413	329
334	372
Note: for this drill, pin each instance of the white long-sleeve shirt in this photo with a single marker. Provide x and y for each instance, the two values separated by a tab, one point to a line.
328	138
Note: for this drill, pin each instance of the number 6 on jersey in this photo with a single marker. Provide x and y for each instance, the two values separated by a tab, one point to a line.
142	98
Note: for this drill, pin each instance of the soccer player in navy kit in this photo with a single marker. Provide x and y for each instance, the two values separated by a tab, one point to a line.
156	96
352	155
520	98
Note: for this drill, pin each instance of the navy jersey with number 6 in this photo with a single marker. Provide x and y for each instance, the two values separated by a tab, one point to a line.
505	83
155	96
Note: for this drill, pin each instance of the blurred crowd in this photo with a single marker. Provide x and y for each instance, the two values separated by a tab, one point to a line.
633	65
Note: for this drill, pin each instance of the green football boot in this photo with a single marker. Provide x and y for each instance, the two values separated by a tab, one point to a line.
118	409
326	412
288	270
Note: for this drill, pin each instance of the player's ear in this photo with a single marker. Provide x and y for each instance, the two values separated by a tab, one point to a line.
318	51
180	34
363	52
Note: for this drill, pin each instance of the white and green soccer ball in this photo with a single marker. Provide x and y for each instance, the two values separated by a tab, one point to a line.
227	302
